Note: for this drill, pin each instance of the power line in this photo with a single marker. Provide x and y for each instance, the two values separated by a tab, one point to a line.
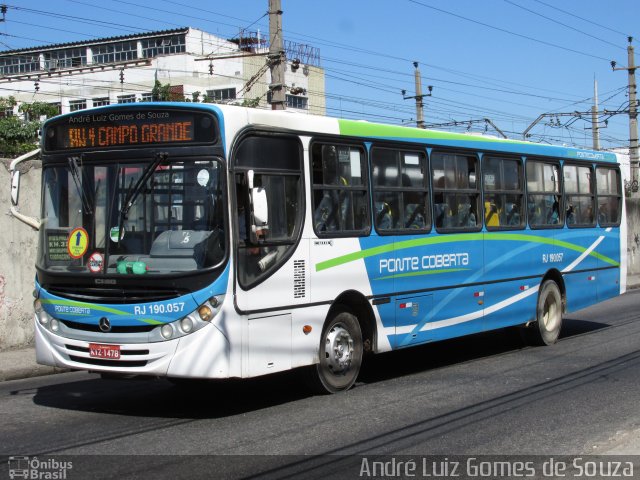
563	24
504	30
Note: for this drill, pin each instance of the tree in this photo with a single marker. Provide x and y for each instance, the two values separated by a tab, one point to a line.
17	135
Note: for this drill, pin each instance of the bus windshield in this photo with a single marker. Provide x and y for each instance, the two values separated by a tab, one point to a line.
151	216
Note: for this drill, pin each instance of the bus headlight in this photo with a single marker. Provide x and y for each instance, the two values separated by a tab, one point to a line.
193	322
186	325
167	331
55	325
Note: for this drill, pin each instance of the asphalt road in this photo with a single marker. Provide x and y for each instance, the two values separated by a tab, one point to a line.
487	394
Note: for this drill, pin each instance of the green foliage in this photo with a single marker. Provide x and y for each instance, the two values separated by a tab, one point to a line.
36	110
251	102
163	93
18	136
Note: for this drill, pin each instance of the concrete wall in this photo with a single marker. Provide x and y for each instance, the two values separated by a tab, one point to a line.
18	248
633	236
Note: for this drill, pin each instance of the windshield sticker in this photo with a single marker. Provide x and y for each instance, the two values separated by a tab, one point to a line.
78	242
96	262
113	234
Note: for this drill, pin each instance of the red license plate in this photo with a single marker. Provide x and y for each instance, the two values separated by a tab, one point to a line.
111	352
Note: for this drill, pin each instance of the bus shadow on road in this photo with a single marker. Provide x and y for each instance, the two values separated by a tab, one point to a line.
156	397
200	399
461	350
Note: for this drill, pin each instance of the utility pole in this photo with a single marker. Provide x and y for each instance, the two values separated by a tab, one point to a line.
594	117
276	56
633	114
419	96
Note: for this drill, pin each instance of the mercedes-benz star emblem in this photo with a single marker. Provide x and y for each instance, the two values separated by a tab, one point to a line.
105	325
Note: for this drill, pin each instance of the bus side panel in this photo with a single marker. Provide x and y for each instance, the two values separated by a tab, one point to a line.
457	312
608	284
510	303
515	257
581	290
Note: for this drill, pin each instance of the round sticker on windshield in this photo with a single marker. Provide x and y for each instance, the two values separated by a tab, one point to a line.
113	234
78	242
203	177
96	262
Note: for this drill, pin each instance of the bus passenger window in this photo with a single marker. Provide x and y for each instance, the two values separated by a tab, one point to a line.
609	196
503	193
544	197
456	192
340	196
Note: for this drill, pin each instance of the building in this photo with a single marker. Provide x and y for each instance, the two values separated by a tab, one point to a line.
197	65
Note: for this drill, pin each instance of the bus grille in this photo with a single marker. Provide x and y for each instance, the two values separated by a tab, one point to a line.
109	363
85	327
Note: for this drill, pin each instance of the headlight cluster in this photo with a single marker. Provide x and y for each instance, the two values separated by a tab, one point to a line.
194	321
169	331
44	318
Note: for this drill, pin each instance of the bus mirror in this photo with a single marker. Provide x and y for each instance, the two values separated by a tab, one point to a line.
15	187
259	207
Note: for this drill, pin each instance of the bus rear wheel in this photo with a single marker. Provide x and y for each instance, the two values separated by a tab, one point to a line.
548	315
340	352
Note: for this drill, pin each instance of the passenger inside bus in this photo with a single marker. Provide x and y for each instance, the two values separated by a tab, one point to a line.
331	213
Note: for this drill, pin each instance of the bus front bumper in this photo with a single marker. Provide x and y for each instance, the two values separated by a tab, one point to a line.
202	354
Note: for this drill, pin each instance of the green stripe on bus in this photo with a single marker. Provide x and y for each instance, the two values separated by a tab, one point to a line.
363	129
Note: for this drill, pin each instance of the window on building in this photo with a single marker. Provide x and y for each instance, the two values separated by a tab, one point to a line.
126	98
101	102
400	193
456	193
609	196
115	52
152	47
503	193
340	196
146	97
75	105
57	106
221	94
67	58
295	101
580	198
544	197
19	64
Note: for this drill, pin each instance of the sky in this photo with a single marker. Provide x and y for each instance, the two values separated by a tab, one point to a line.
508	61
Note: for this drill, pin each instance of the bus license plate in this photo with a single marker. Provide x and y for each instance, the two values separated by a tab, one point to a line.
111	352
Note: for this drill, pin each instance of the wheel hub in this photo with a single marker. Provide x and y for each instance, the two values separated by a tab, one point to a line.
338	349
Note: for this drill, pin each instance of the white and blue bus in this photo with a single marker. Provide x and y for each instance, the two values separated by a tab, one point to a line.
204	241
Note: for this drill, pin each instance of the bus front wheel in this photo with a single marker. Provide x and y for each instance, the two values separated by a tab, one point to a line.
548	315
340	355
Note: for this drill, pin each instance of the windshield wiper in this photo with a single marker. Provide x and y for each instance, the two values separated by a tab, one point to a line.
76	174
135	189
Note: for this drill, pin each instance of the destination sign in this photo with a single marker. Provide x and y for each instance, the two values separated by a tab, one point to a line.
129	128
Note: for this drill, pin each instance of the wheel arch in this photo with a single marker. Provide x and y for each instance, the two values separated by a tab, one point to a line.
357	303
556	276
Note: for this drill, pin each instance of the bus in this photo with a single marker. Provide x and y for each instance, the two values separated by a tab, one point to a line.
200	241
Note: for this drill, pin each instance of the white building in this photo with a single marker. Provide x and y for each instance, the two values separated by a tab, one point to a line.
86	74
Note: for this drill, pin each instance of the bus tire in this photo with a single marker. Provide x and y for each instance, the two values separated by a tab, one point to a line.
340	355
546	329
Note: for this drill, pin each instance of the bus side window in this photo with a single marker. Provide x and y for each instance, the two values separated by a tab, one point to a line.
544	197
340	196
